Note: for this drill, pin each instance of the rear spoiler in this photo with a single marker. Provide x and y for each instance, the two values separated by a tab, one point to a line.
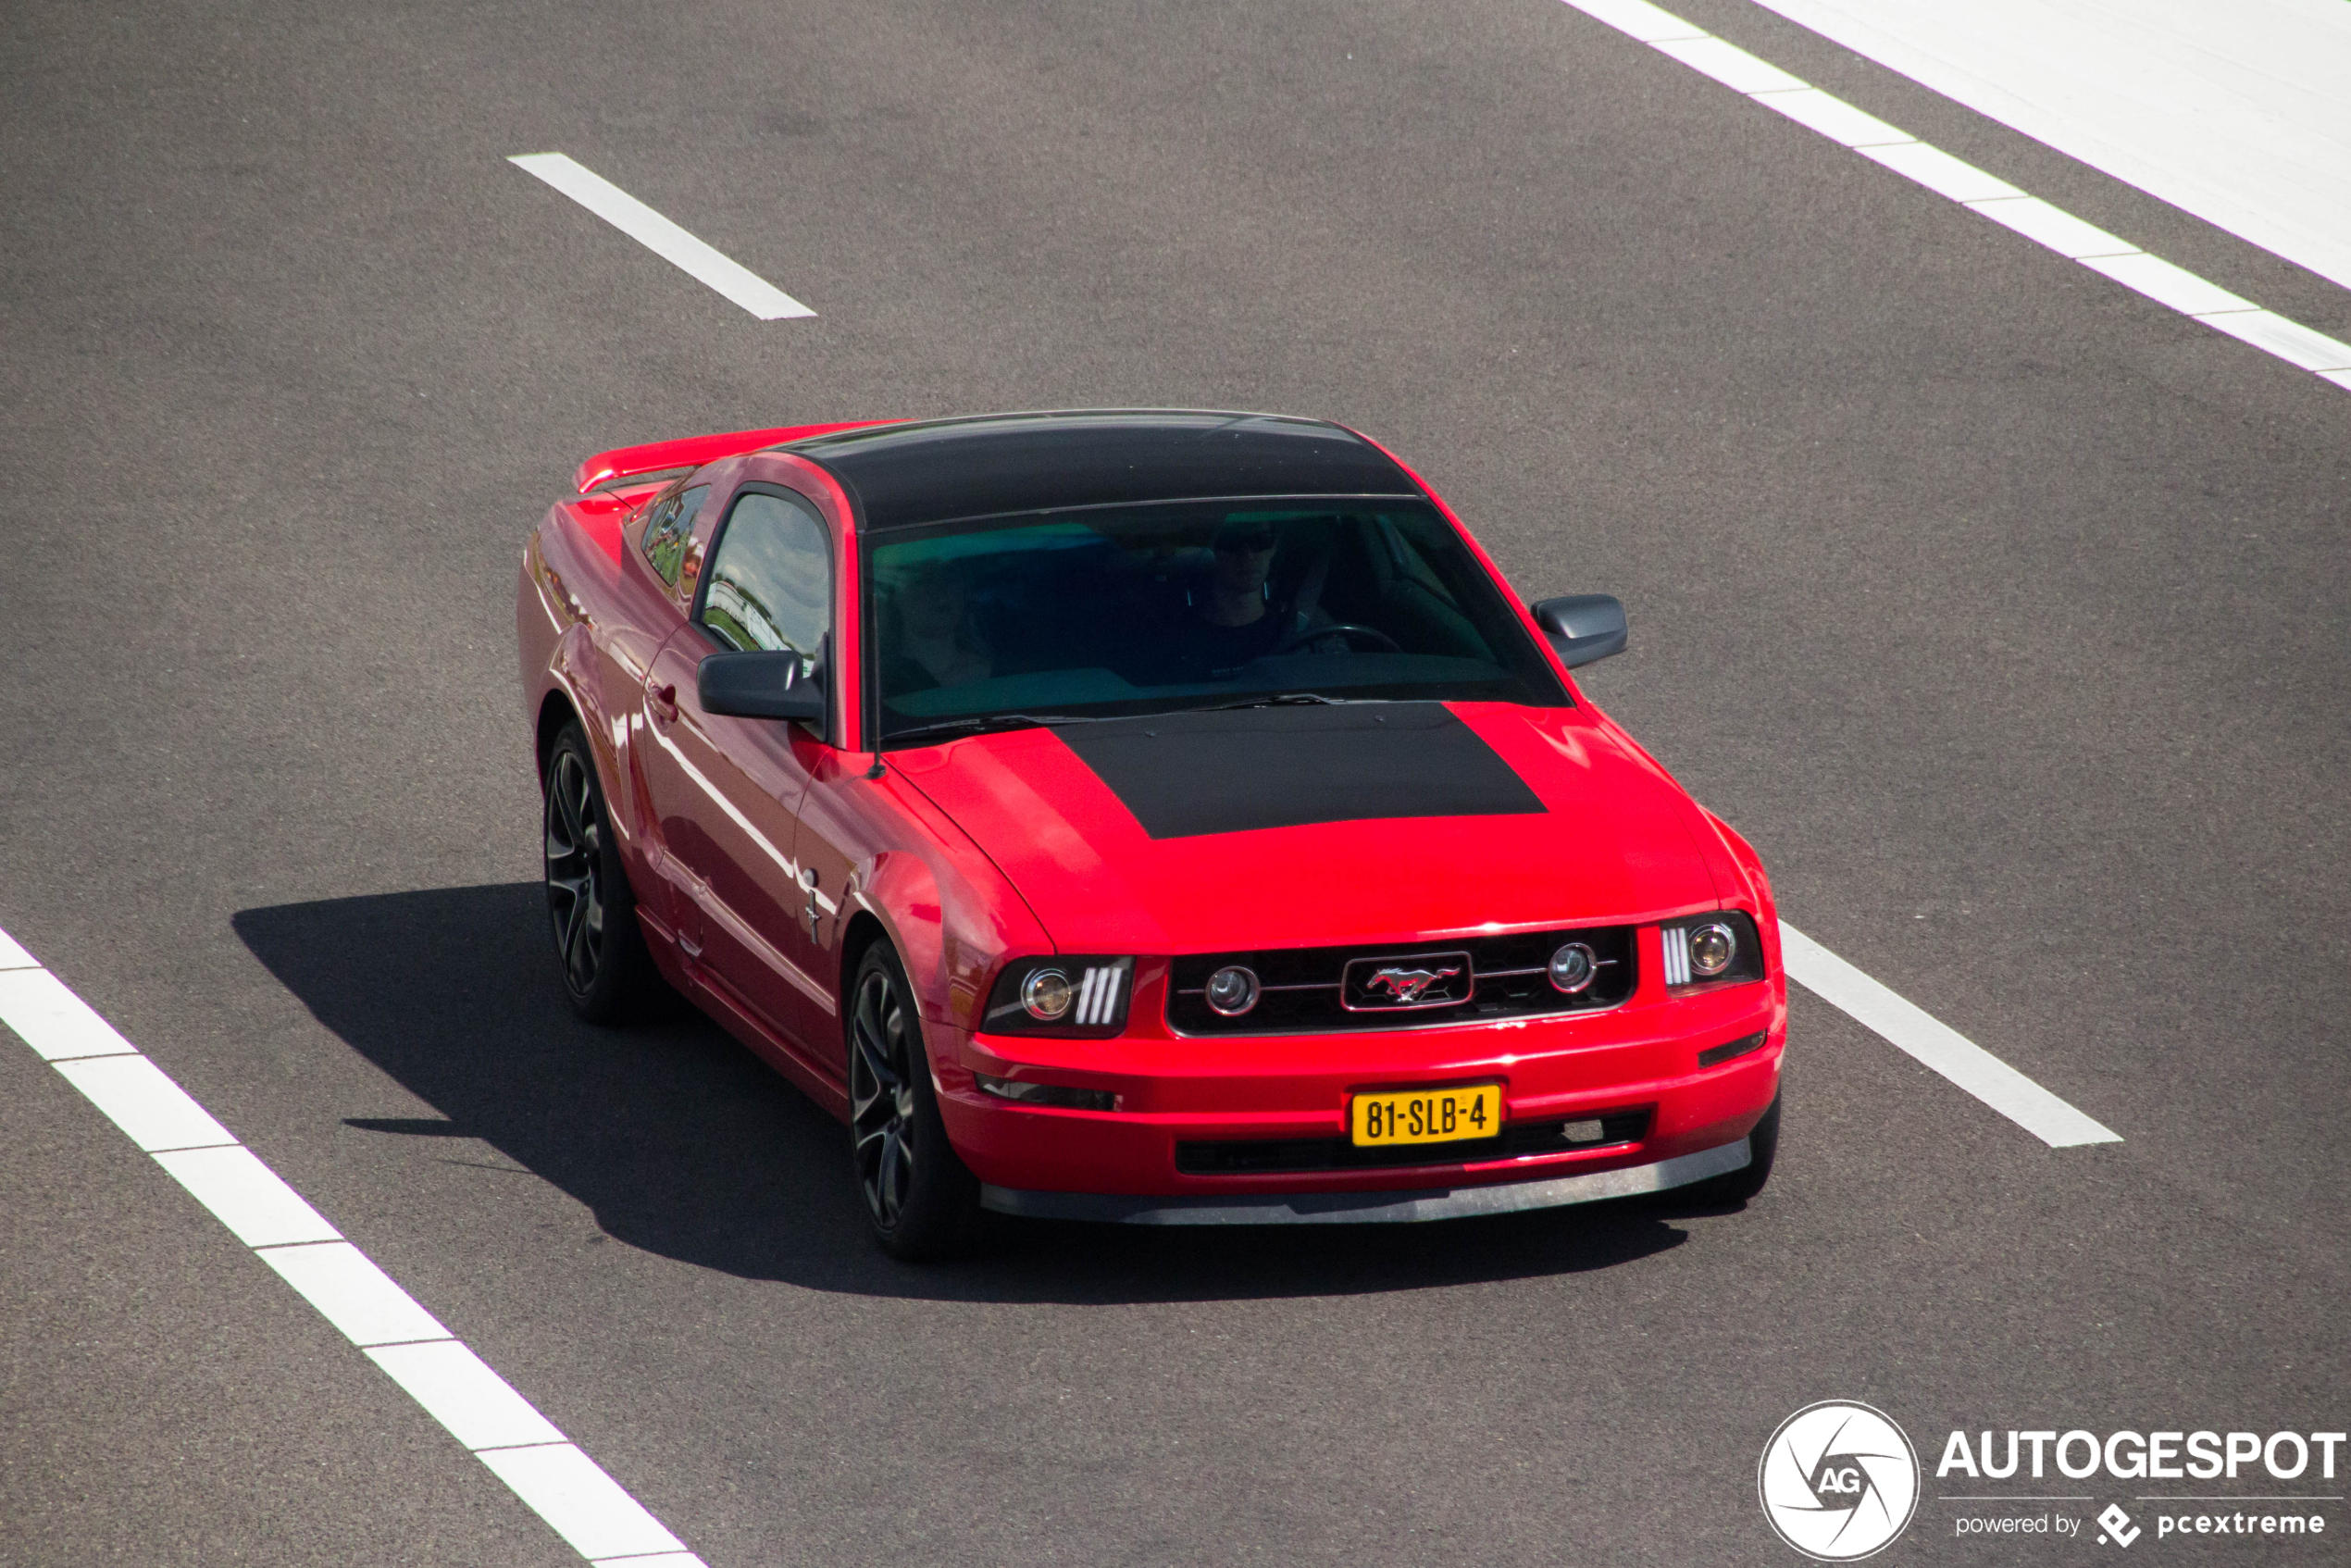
624	463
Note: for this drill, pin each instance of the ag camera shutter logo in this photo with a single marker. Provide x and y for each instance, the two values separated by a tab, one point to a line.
1838	1480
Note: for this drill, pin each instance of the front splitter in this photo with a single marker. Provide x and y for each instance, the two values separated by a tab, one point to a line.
1372	1208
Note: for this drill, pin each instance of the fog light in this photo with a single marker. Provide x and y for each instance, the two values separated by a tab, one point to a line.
1711	949
1232	990
1061	1097
1583	1132
1046	994
1573	968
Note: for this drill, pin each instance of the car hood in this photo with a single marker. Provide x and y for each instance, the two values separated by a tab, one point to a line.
1303	825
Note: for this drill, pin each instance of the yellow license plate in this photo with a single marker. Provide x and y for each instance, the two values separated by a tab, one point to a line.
1426	1116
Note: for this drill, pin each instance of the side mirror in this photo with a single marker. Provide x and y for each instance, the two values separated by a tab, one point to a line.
760	686
1582	627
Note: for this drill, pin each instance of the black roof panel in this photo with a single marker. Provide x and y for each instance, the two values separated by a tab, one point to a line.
1002	462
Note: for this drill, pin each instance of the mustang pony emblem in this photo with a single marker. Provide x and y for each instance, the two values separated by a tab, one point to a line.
1406	984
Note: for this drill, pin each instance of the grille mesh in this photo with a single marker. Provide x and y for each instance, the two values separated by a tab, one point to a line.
1302	987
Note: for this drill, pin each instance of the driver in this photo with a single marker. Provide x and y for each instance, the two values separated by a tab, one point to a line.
1226	620
1230	619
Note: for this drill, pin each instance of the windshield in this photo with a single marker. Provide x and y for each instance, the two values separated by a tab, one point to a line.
1113	611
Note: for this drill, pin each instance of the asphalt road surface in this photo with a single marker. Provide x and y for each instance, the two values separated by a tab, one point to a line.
2003	609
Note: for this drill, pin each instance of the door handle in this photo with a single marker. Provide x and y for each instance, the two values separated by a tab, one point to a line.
663	701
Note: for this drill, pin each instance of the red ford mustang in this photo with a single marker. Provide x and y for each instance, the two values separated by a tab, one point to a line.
1166	817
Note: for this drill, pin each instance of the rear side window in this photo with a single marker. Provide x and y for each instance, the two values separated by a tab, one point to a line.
667	529
770	583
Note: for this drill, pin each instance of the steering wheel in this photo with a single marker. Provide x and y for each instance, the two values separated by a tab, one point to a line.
1337	629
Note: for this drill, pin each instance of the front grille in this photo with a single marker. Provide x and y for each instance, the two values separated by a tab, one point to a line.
1261	1155
1318	989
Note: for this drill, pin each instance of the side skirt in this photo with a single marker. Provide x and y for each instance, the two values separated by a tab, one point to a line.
714	997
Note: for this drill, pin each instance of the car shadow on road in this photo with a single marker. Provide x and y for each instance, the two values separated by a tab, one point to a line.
684	1144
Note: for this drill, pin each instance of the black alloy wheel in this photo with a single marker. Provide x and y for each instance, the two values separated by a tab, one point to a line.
921	1201
589	900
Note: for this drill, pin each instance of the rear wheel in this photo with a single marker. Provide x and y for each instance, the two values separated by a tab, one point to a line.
1763	1147
605	967
921	1201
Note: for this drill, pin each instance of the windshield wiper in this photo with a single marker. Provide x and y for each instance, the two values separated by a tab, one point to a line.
1283	699
981	722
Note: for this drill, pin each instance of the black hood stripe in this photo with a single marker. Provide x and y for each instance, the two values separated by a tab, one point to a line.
1183	775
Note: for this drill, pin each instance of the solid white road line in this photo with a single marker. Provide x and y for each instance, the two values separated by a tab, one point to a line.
1730	65
1916	1033
1971	187
480	1408
2053	227
351	1293
1833	118
2290	341
1954	179
52	1020
140	1098
2166	284
2228	109
566	1487
258	1208
587	1507
661	236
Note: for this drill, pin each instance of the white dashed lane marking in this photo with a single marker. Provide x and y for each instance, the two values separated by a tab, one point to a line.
661	236
456	1388
1919	1034
1987	194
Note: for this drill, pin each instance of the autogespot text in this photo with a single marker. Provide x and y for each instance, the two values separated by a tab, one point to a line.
2151	1456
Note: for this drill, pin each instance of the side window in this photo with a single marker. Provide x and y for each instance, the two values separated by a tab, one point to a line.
771	581
667	529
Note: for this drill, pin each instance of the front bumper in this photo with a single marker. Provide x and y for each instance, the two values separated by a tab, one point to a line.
1175	1094
1374	1208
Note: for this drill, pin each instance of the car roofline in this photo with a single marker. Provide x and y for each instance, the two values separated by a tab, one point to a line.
1123	456
948	422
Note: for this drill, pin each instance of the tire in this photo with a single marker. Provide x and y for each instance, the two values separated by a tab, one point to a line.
921	1201
1763	1146
599	948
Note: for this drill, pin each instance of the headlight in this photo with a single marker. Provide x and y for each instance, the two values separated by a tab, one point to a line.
1713	946
1046	994
1711	950
1061	994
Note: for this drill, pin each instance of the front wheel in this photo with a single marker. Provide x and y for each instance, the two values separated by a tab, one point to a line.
606	965
921	1201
